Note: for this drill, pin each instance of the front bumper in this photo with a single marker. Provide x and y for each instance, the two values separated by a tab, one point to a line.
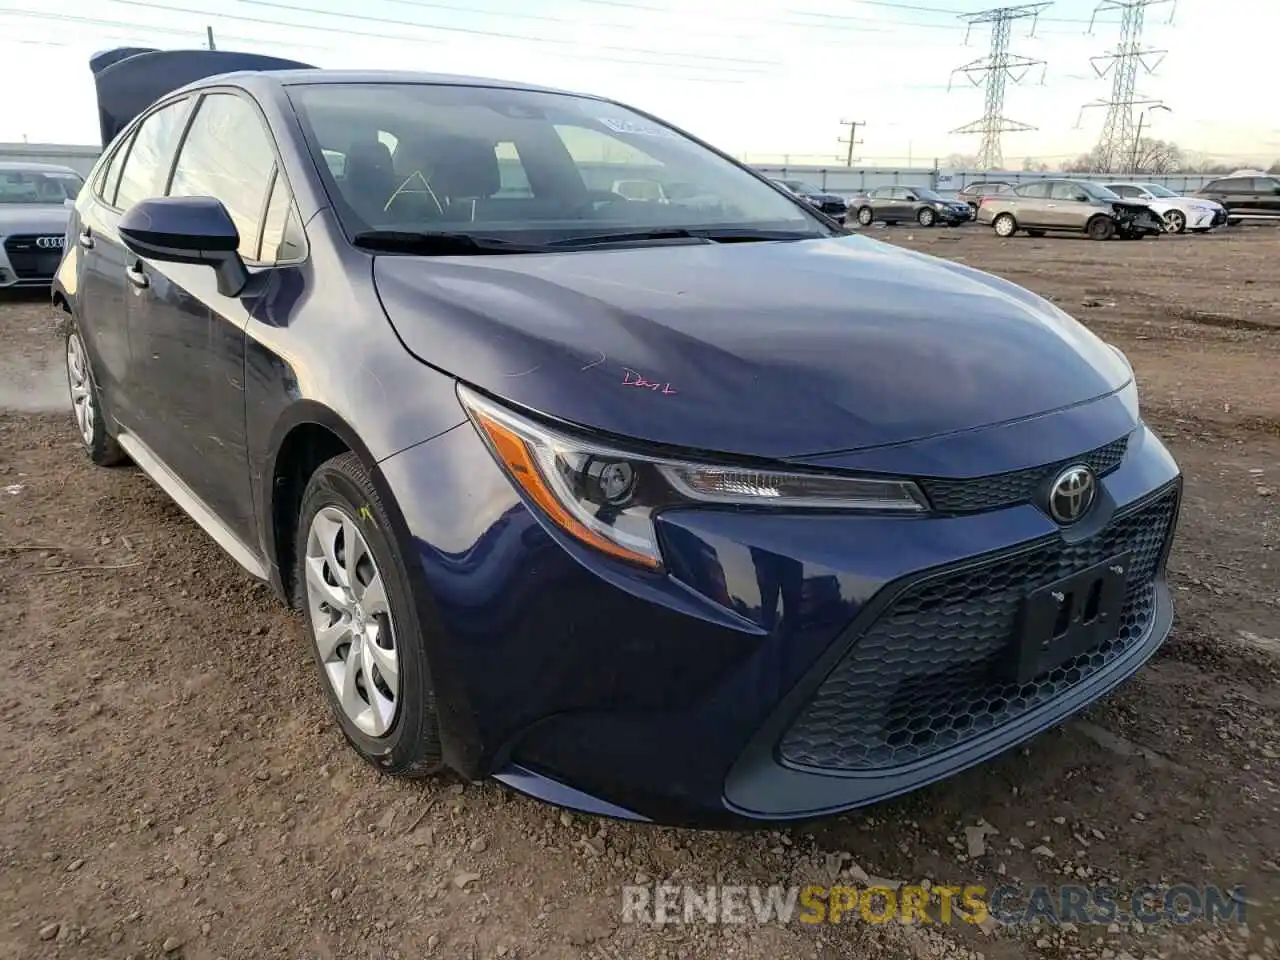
29	259
787	665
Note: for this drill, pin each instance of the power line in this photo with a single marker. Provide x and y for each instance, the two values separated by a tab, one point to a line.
718	69
992	71
1119	139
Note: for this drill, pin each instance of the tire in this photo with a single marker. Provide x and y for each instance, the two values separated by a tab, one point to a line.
926	217
1035	233
86	405
1175	221
1004	225
341	497
865	216
1101	228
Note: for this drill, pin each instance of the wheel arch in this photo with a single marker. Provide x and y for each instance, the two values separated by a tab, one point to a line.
305	436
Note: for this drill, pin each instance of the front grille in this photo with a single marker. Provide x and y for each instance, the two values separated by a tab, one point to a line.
1018	487
29	261
932	671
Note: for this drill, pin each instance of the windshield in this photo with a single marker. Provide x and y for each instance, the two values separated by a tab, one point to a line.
1096	191
38	186
924	193
1158	191
523	165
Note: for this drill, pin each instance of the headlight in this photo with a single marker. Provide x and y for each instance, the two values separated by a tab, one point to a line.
607	497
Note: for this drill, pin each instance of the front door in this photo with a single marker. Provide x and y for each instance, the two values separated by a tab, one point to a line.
190	339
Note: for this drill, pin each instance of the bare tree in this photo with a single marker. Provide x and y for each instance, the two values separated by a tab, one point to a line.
960	161
1158	157
1032	165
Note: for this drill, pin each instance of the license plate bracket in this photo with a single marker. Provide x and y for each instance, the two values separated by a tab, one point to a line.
1063	619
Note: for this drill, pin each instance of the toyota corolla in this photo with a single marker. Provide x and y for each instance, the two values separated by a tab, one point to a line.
698	511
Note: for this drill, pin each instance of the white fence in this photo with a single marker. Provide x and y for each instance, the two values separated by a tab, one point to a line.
849	181
78	158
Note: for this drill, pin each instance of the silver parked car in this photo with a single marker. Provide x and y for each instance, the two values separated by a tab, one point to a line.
1075	206
35	203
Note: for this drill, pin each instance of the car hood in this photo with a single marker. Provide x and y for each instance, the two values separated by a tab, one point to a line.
47	218
776	350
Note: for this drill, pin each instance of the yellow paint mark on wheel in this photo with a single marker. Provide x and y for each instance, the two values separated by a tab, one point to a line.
366	513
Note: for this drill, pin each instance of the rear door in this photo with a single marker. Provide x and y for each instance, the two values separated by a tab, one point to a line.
104	293
192	338
1030	204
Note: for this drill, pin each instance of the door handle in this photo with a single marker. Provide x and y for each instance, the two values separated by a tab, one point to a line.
86	238
137	277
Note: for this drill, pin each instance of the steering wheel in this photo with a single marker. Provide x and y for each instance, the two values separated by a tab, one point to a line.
597	198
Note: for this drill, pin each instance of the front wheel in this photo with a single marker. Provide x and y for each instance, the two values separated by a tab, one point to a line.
1101	228
865	216
926	217
1004	225
1175	221
365	633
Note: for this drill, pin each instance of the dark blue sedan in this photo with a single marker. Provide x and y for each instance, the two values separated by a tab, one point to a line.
690	508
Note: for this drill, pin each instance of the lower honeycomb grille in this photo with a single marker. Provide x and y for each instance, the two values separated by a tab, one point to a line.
931	672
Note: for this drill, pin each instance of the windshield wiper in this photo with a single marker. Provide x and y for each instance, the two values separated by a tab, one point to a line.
440	244
709	235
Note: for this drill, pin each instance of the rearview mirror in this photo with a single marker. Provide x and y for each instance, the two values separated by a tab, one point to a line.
187	230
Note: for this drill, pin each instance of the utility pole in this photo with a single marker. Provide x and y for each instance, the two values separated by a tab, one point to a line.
853	126
1118	140
1137	140
209	32
993	71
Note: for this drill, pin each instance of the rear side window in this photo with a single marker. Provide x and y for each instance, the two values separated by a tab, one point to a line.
148	157
109	176
228	155
1035	191
1236	185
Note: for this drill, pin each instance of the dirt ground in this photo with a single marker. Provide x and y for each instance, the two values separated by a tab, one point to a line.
172	785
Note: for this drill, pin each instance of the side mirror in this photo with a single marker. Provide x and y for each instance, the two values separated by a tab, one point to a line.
1082	198
912	197
187	230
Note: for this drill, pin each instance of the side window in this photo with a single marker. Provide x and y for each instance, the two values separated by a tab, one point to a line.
148	157
227	155
1231	186
109	176
1034	191
1124	190
1063	190
282	238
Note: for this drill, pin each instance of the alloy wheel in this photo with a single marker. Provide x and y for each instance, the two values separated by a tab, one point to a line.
1174	221
351	622
865	216
81	388
1004	225
926	217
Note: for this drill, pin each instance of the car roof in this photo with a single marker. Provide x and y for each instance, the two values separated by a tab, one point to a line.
289	78
31	166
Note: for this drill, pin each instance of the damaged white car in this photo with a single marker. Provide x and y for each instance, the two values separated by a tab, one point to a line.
1179	213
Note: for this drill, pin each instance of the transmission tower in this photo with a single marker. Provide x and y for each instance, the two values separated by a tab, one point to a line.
993	71
1118	140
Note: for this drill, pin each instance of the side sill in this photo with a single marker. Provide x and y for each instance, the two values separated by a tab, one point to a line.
191	505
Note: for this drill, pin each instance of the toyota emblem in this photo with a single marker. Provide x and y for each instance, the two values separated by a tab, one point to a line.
1072	493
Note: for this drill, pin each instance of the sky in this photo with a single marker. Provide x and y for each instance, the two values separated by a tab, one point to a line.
767	81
